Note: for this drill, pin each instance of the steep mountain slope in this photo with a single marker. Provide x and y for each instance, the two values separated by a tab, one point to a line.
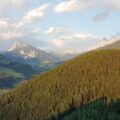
67	56
25	53
12	73
112	42
56	93
115	45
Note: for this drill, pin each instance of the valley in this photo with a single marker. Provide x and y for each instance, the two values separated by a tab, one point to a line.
22	61
12	73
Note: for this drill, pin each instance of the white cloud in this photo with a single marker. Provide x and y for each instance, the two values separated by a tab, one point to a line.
73	5
11	29
35	14
16	3
67	6
72	41
79	36
58	42
7	6
79	5
112	5
107	7
83	36
35	30
103	7
50	30
8	29
4	23
57	30
65	38
10	35
7	24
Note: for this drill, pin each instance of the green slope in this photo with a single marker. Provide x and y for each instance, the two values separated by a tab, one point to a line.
66	88
11	73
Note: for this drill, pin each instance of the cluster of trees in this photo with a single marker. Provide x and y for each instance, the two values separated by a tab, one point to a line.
58	93
101	109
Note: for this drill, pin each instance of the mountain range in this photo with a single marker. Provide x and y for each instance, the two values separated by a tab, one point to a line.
22	61
24	53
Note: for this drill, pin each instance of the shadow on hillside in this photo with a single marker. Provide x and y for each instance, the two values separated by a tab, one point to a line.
100	109
8	82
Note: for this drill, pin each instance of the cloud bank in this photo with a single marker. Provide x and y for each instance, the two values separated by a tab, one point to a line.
22	20
104	6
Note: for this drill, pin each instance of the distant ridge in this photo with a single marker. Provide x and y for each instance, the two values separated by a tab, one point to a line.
114	45
40	59
28	53
108	43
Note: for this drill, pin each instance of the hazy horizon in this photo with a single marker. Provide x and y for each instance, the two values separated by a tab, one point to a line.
60	25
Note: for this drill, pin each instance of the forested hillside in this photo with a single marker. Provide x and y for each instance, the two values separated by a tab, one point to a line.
81	88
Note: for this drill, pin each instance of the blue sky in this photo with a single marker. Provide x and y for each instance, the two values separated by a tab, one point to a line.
58	25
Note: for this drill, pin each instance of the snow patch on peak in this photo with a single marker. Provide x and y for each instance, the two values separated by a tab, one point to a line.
24	50
17	45
32	54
